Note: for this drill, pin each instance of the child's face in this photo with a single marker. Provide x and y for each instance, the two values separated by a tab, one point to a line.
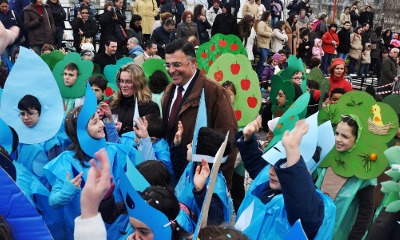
335	98
142	231
281	98
306	37
95	127
29	118
326	102
231	94
275	62
99	93
70	77
273	179
297	78
344	137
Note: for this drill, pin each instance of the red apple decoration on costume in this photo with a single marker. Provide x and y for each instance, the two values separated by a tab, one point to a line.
212	48
222	43
203	71
210	62
252	102
245	84
109	91
235	68
234	47
218	76
204	54
238	115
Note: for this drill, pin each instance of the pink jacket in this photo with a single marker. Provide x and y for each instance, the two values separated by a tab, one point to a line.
317	52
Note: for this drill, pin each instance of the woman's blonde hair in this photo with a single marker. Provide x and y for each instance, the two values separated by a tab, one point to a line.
139	84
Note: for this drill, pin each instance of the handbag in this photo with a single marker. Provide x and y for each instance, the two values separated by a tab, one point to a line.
120	33
256	49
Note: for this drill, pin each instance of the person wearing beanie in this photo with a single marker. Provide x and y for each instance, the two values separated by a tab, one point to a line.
337	72
272	68
40	24
330	42
225	23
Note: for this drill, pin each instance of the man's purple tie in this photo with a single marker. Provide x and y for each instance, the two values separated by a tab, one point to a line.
175	107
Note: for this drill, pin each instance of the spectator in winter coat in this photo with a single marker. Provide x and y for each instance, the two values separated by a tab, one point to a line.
279	37
84	28
147	10
355	48
250	8
199	17
345	17
389	70
367	17
59	16
293	7
321	27
365	60
213	12
272	68
302	20
164	35
40	24
304	50
317	51
225	23
187	28
344	39
354	16
330	41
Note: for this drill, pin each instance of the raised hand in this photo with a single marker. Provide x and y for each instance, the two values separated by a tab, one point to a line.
76	181
140	127
252	128
7	36
291	141
200	175
97	184
178	134
106	111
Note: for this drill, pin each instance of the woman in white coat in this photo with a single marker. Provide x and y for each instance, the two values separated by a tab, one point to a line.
279	37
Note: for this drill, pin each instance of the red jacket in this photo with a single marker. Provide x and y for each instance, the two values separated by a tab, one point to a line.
340	83
327	40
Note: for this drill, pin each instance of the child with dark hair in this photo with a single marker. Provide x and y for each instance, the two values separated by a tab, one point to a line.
29	110
157	84
315	94
99	86
305	47
221	233
194	172
147	135
314	62
336	94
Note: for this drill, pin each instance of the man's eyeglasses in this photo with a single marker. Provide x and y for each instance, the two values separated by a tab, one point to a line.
175	64
27	114
122	82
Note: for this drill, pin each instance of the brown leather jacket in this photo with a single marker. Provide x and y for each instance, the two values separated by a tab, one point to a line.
220	115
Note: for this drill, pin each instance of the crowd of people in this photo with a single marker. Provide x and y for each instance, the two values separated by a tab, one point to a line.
119	140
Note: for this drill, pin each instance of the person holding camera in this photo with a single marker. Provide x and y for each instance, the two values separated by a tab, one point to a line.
110	20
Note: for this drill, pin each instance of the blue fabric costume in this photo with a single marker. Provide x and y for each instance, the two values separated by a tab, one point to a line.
275	211
65	194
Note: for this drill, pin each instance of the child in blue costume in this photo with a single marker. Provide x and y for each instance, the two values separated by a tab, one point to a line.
150	132
283	193
190	188
67	173
34	156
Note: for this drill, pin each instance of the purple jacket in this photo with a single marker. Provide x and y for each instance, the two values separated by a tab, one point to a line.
268	72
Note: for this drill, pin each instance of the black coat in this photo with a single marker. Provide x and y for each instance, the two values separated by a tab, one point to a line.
126	110
367	17
344	41
58	13
202	30
225	24
161	37
89	29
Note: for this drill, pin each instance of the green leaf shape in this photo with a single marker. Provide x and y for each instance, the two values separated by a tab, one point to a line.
52	58
393	154
85	69
393	173
110	71
390	186
393	206
394	101
209	52
245	81
289	118
151	65
360	103
324	84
